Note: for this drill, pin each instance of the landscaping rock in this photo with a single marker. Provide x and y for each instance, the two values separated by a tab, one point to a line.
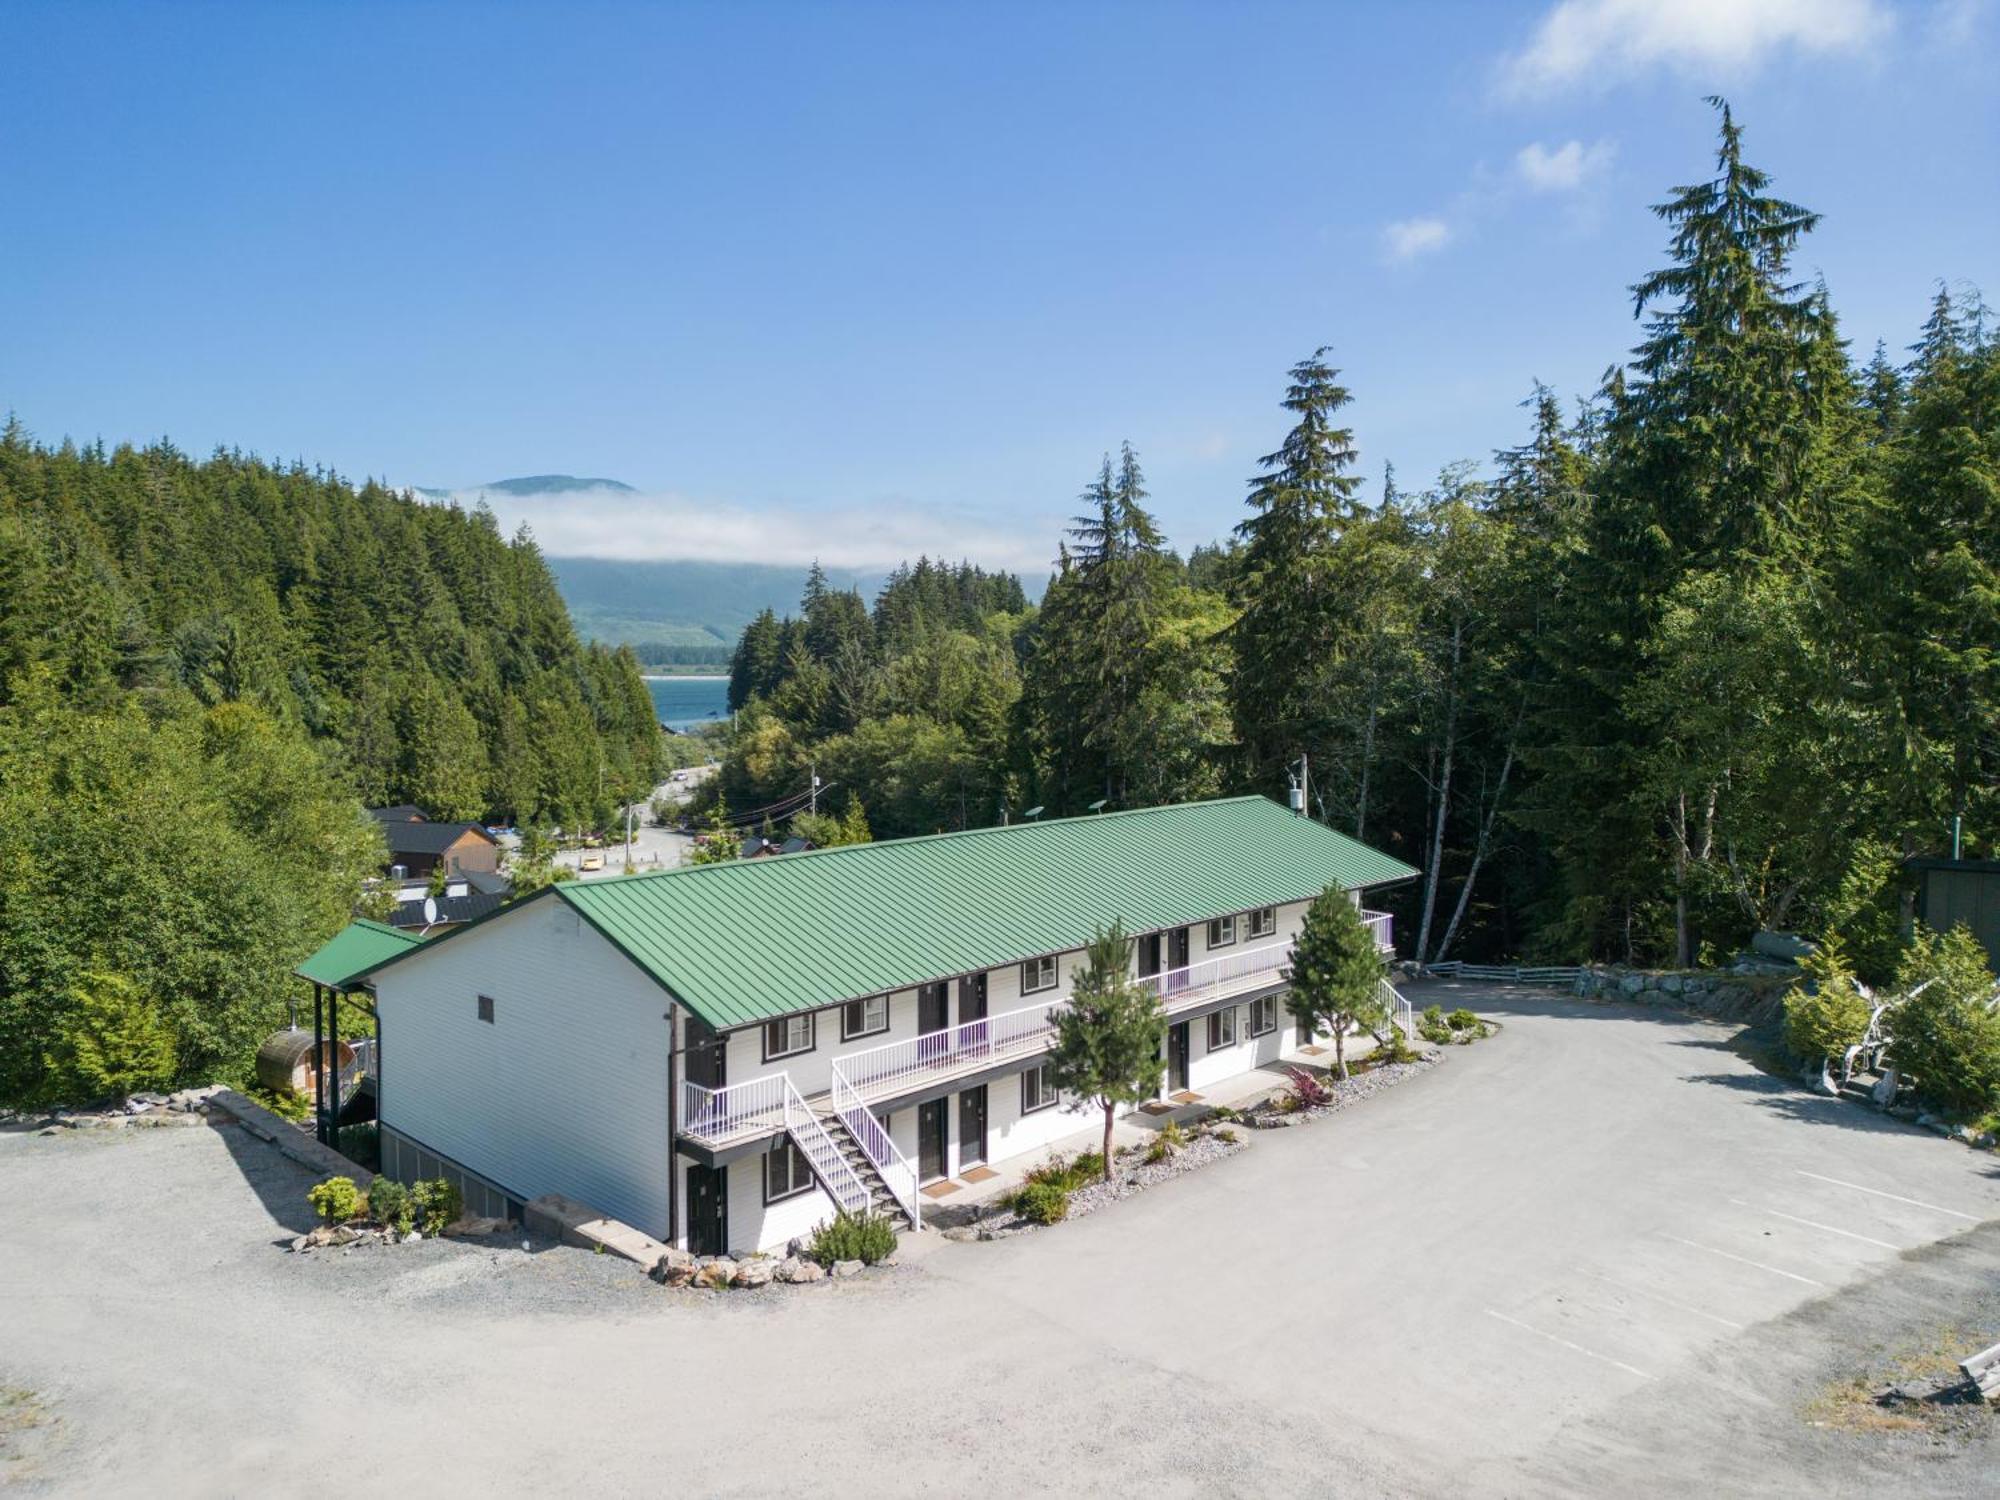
674	1268
962	1234
474	1225
716	1274
847	1268
755	1272
794	1270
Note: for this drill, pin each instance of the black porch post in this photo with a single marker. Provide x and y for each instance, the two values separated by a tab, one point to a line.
319	1051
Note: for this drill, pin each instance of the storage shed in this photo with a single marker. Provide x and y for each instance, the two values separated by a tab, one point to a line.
285	1061
1962	892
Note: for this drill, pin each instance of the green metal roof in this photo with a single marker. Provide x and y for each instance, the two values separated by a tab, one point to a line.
353	951
743	942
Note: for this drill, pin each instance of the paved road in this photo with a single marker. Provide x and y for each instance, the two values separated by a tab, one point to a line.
1517	1274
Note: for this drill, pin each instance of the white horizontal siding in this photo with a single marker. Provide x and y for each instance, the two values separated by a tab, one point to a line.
565	1091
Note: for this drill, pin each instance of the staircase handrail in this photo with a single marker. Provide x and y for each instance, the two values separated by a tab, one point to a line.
897	1172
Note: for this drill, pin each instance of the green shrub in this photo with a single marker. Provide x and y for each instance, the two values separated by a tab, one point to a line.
1951	1049
1166	1144
283	1103
1464	1020
1432	1026
336	1200
389	1204
1042	1203
1953	961
865	1237
1823	1024
1226	1134
1395	1047
1063	1172
436	1203
108	1042
1946	1038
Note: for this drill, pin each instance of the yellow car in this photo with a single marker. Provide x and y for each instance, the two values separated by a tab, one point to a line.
591	861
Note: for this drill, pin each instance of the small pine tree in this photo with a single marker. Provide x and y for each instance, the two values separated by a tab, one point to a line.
1107	1043
723	845
1336	972
111	1043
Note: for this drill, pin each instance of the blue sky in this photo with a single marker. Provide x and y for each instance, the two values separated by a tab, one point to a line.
854	281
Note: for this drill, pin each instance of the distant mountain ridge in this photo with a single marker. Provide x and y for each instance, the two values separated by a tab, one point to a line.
532	484
679	603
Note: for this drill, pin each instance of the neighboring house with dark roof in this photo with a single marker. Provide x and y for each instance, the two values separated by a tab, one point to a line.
420	846
723	1054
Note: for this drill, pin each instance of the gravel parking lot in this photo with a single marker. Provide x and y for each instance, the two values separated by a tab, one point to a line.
1598	1251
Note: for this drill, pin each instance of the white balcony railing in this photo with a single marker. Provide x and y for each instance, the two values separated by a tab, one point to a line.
883	1070
1380	923
1178	988
753	1108
765	1106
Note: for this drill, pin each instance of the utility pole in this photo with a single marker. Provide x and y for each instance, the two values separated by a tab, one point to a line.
815	789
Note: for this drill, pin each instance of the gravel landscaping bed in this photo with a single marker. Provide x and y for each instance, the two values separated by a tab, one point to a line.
1197	1153
1346	1093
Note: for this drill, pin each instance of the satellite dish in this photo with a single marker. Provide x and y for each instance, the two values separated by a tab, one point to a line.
430	910
1032	813
1098	805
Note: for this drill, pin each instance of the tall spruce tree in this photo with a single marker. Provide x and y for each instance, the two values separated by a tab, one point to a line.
1291	608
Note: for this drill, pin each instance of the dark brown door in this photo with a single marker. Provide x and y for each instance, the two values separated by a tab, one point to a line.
933	1019
708	1210
1177	1058
1177	958
1149	954
972	1014
707	1055
933	1139
971	1127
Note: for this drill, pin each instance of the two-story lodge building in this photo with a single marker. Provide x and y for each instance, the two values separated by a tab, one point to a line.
719	1055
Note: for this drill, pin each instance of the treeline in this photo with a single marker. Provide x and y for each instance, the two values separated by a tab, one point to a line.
205	670
1714	648
906	705
655	654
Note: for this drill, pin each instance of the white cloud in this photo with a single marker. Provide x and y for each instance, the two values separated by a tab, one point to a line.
654	527
1408	238
1563	168
1599	40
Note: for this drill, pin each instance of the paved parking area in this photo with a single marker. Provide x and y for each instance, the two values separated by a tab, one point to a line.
1561	1263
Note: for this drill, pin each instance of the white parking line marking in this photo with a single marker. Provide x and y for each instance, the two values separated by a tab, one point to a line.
1913	1202
1775	1271
1658	1297
1573	1348
1815	1224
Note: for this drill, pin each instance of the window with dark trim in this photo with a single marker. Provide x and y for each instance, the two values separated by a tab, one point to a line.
1264	1015
1263	921
1038	1090
867	1017
1222	932
786	1172
1039	974
1222	1029
486	1008
788	1036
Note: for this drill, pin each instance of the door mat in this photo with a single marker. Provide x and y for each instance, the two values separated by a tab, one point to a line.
942	1189
1186	1097
979	1174
1313	1051
1156	1107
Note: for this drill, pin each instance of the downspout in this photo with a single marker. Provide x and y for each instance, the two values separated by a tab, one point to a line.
673	1127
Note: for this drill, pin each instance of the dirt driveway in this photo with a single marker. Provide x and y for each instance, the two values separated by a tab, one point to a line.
1597	1252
